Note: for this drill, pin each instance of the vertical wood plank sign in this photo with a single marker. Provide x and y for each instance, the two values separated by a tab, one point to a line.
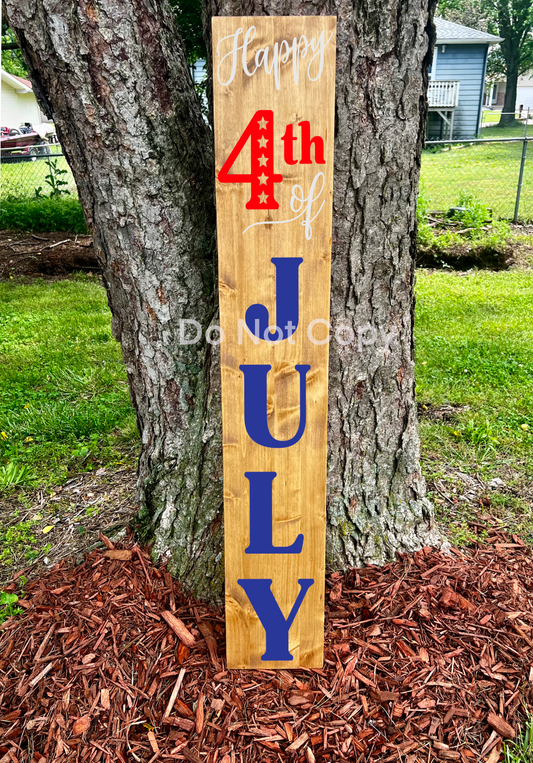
274	88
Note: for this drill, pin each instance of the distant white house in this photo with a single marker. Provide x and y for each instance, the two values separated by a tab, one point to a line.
524	92
18	103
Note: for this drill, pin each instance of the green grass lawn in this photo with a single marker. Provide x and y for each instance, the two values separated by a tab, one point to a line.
64	403
474	346
490	117
491	130
474	352
489	171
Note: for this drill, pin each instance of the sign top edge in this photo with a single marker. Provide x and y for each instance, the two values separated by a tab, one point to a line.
274	18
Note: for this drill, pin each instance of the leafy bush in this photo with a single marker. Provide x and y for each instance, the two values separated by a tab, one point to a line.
463	240
43	214
472	213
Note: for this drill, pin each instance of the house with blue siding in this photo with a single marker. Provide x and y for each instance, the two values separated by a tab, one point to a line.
457	81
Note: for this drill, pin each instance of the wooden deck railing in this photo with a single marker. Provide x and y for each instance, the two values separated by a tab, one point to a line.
443	94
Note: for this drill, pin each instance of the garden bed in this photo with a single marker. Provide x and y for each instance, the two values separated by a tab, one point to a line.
426	659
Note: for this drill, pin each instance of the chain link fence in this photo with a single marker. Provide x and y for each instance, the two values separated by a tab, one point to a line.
496	168
33	171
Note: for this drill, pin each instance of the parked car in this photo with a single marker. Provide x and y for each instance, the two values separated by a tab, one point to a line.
19	146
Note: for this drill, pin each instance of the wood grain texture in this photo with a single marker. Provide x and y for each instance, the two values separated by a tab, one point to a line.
247	277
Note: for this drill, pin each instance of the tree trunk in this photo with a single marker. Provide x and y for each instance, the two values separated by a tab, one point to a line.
513	27
507	117
114	76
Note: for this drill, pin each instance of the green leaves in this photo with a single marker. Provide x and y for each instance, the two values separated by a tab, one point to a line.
510	19
472	213
8	606
12	59
8	598
14	474
521	750
55	180
189	16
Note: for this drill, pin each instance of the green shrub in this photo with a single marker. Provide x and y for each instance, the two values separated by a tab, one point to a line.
474	214
476	234
44	214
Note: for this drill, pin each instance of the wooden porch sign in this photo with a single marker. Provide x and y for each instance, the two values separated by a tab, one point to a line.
274	87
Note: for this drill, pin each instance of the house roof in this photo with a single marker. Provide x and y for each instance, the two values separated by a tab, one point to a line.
450	33
25	82
20	85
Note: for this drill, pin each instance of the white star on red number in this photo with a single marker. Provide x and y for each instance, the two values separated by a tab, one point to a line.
262	142
263	198
263	179
262	124
263	160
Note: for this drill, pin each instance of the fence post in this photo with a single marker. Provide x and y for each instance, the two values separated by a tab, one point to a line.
521	173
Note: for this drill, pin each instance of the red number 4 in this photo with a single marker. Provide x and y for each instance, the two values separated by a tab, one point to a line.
260	131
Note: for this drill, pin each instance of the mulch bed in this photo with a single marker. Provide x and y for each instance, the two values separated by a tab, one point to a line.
428	658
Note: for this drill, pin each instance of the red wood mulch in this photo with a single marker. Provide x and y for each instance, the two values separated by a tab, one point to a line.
426	659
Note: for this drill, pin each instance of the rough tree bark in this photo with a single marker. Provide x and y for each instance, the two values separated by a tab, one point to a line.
507	117
511	55
113	75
